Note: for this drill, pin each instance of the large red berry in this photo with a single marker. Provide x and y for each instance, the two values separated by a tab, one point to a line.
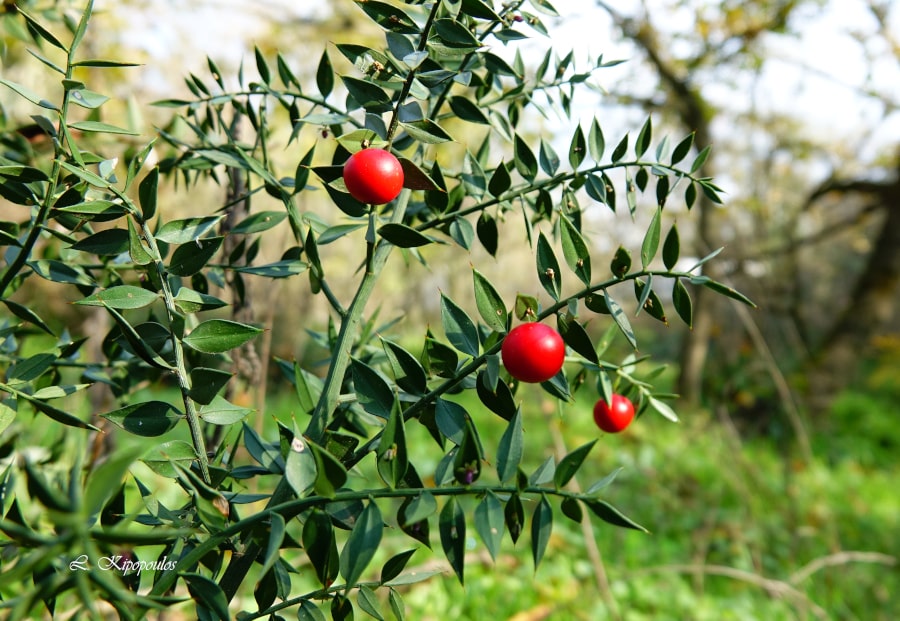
616	417
533	352
373	176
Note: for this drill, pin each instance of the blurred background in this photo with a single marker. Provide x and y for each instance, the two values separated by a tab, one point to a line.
776	496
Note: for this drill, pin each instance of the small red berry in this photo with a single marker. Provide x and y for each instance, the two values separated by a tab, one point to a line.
533	352
616	417
373	176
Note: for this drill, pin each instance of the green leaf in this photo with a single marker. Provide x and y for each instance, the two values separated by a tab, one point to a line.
308	611
595	187
548	268
596	142
459	328
524	159
190	301
488	233
367	95
209	596
362	544
681	299
408	372
682	149
219	411
372	390
621	263
510	449
391	455
648	300
575	251
644	137
215	336
121	297
388	17
368	603
148	419
700	160
319	542
259	222
468	457
450	419
29	94
57	414
330	472
279	269
452	526
206	383
728	292
569	465
500	181
26	314
108	242
57	271
439	359
325	75
577	148
671	248
420	508
496	395
426	131
576	337
190	258
187	230
104	128
395	565
548	158
147	194
541	527
651	239
620	318
663	408
35	26
404	236
619	152
466	110
489	523
610	514
490	304
514	515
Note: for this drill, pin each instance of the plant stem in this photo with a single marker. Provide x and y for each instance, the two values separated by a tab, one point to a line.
351	321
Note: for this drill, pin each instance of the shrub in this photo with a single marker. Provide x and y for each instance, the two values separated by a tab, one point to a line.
223	509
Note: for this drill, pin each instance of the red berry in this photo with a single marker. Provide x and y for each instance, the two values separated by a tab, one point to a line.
616	417
373	176
533	352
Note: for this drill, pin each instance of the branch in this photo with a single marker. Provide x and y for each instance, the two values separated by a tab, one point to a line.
841	558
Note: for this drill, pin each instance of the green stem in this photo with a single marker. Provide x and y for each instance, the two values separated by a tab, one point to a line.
293	508
181	372
349	326
528	188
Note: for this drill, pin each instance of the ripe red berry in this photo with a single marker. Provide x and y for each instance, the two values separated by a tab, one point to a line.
533	352
373	176
616	417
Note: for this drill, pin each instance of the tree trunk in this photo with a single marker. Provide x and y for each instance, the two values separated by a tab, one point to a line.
872	306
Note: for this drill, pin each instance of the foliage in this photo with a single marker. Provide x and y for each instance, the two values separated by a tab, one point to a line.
221	508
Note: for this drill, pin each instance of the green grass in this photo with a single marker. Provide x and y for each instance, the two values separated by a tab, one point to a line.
734	523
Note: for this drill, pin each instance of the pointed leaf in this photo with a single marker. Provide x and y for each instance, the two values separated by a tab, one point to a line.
541	527
459	328
121	297
452	526
490	304
575	251
568	466
510	449
577	148
651	239
373	391
148	419
548	268
671	248
489	523
610	514
681	299
362	544
644	137
215	336
620	318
